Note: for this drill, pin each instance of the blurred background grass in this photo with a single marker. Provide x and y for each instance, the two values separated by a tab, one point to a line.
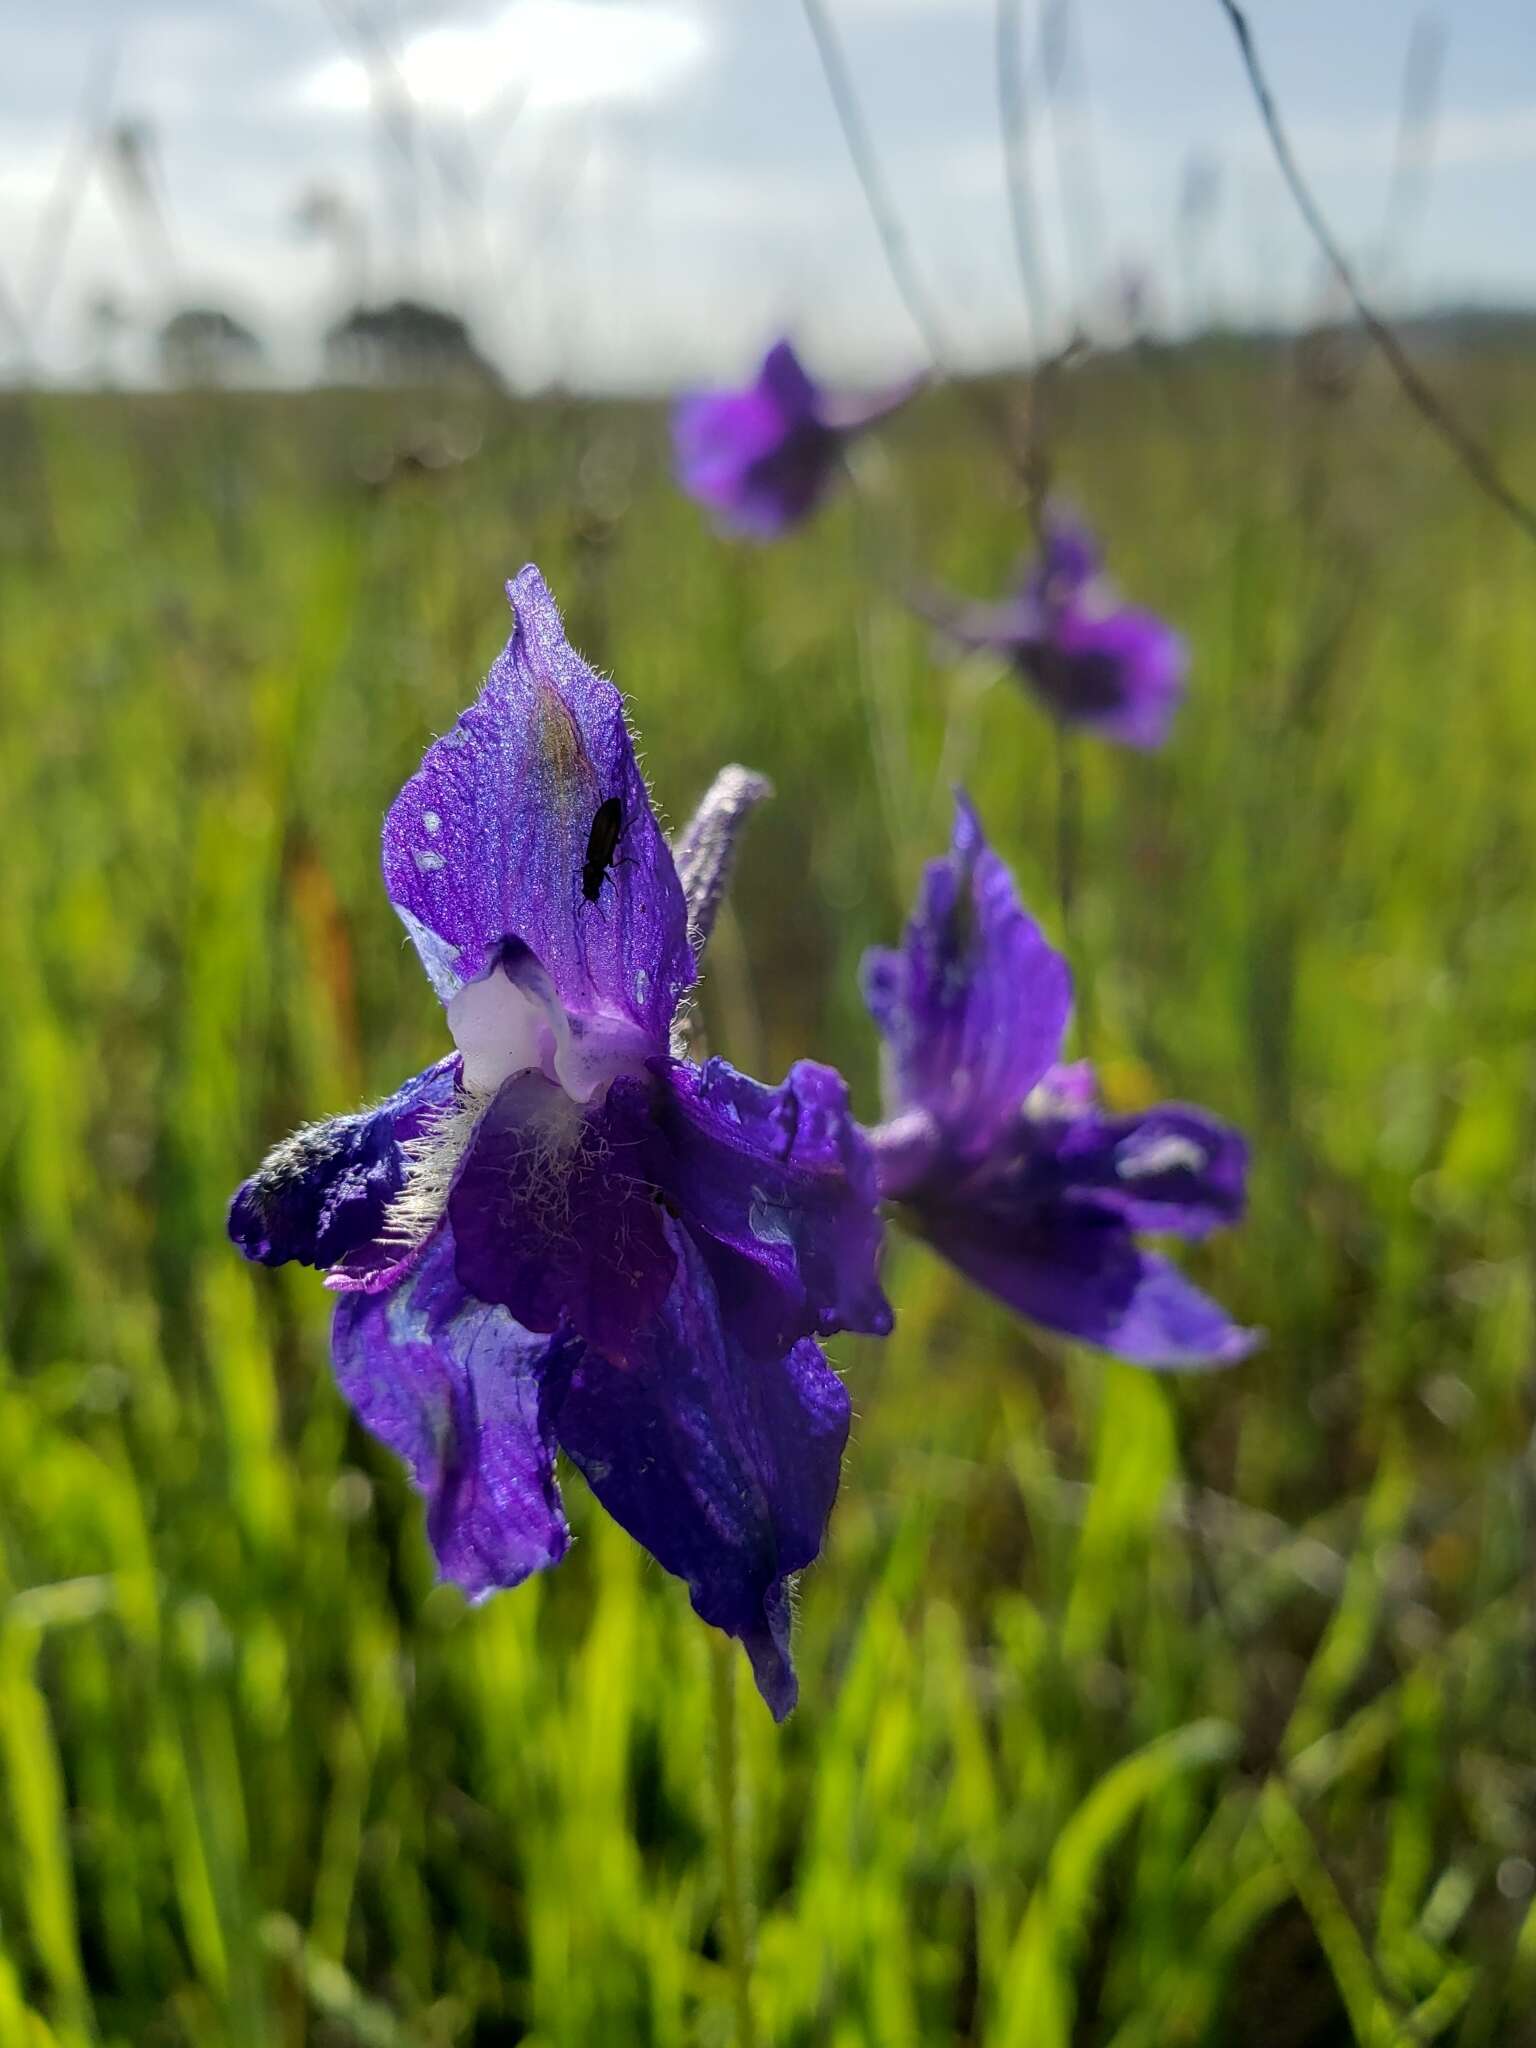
1135	1712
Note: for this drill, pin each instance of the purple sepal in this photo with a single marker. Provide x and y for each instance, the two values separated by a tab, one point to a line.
1173	1169
1120	674
723	1465
556	1215
466	1398
974	1005
487	846
1095	661
779	1186
761	459
321	1196
1082	1274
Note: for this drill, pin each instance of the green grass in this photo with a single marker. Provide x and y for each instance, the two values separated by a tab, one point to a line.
1135	1713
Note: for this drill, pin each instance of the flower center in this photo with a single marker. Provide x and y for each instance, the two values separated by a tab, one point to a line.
511	1022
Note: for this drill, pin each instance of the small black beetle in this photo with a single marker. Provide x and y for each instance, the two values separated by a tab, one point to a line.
602	843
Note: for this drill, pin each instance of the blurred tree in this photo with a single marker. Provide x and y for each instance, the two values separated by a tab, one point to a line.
405	342
205	345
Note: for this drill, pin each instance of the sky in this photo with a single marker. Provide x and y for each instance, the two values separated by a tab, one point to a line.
641	193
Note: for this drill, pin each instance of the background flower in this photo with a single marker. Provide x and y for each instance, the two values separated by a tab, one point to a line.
761	459
999	1156
1093	660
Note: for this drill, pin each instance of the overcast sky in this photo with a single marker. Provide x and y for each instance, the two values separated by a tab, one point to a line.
636	192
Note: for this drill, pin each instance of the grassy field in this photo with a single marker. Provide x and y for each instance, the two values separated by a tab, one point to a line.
1135	1713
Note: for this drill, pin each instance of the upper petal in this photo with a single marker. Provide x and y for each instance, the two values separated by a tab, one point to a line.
462	1394
497	838
724	1465
780	1182
974	1005
1070	558
785	379
323	1194
1084	1276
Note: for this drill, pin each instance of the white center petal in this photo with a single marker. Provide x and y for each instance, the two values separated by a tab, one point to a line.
501	1028
512	1022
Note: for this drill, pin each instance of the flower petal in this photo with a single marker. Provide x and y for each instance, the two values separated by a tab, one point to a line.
1070	558
488	843
1173	1168
554	1215
1085	1277
1121	673
974	1006
323	1194
780	1183
785	379
759	459
465	1398
977	626
723	1465
852	412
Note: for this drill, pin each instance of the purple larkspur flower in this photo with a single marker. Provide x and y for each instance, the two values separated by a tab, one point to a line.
763	458
1092	659
566	1235
999	1155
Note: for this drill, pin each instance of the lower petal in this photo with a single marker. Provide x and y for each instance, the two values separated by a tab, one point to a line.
779	1186
554	1217
464	1396
1088	1279
723	1465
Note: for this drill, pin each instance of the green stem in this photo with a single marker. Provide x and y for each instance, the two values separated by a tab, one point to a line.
733	1903
1069	849
1069	830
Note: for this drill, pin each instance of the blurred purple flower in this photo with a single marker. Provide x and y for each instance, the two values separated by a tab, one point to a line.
564	1235
999	1155
762	459
1094	661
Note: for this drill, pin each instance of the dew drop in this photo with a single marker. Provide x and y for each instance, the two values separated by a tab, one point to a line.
768	1220
428	861
431	822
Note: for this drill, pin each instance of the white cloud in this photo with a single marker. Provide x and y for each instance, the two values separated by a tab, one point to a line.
547	53
1461	139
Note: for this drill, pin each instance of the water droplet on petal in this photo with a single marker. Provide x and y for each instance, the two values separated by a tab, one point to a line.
768	1220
